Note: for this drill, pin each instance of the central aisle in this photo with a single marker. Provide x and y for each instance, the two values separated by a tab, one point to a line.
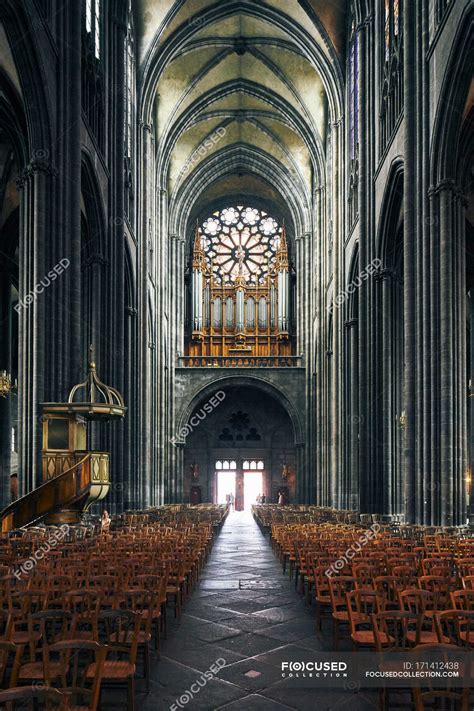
245	613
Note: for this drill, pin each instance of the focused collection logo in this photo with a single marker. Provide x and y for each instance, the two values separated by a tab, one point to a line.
314	670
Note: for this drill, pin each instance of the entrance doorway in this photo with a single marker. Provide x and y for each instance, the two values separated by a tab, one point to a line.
225	486
244	479
253	485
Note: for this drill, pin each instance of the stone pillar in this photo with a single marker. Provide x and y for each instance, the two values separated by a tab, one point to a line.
115	326
387	385
180	493
146	390
162	403
336	393
409	260
300	296
36	184
366	491
320	326
131	498
452	355
301	473
63	300
5	403
352	475
470	406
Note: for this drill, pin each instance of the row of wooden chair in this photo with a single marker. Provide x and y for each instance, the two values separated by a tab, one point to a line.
385	589
103	598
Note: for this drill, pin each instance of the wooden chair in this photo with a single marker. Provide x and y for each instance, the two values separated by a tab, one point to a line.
339	586
75	657
406	576
157	584
428	698
322	593
6	625
119	630
455	627
468	582
175	587
45	628
145	603
439	586
387	587
361	605
462	599
10	660
425	603
392	630
465	567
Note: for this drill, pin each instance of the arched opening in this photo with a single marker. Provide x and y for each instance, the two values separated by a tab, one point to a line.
92	265
11	160
240	434
389	497
451	218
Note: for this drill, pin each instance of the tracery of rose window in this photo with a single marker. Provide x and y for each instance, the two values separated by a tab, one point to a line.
240	241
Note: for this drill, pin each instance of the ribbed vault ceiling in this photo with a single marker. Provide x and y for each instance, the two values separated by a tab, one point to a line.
239	96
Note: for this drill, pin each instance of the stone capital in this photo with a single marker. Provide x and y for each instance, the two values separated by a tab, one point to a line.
384	274
37	165
148	127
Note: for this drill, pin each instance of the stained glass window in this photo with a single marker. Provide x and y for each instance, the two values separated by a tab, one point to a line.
392	25
231	465
396	18
353	91
97	29
130	84
92	20
387	29
251	465
89	15
240	241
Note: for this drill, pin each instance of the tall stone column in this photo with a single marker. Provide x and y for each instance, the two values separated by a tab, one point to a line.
301	473
131	497
177	343
352	414
162	406
300	296
115	283
409	261
146	390
470	469
452	355
387	384
366	491
36	185
63	344
319	338
336	394
5	403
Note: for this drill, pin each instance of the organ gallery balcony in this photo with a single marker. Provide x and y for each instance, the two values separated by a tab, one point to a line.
240	361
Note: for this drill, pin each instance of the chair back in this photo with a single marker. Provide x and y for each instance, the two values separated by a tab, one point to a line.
75	658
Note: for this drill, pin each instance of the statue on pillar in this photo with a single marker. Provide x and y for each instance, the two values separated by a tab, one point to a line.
285	472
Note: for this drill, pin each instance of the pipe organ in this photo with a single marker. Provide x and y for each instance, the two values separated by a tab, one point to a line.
240	286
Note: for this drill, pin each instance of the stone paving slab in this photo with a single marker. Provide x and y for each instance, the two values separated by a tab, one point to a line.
247	613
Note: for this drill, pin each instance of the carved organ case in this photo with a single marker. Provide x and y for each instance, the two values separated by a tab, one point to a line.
240	286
